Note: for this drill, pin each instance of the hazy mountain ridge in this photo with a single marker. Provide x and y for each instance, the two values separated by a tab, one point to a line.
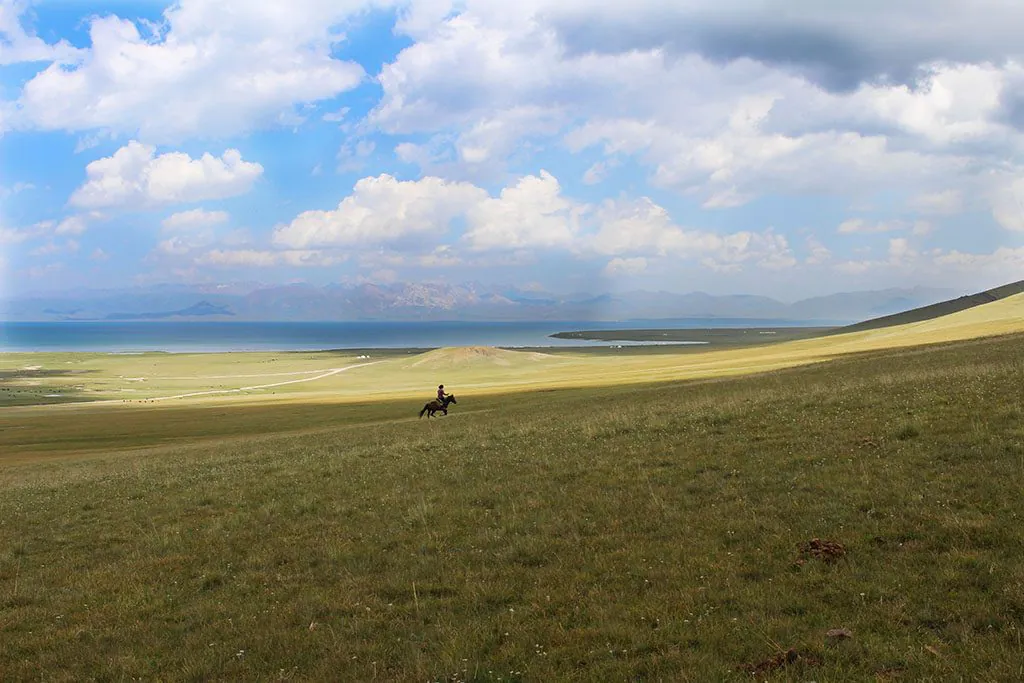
430	301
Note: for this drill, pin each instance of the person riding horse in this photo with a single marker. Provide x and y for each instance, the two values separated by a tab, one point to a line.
441	403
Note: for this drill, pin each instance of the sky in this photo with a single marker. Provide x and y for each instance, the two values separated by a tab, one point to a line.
788	148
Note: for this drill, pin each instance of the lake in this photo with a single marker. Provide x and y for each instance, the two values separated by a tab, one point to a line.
208	337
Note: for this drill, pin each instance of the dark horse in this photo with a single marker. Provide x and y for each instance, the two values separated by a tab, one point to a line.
435	406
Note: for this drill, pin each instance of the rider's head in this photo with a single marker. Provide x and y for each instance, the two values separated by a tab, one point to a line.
440	386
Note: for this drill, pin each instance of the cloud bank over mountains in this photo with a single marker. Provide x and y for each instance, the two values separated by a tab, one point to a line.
747	145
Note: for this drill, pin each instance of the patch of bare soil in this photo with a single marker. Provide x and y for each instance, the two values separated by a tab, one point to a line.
828	552
781	661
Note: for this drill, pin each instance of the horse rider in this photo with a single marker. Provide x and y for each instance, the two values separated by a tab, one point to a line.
440	394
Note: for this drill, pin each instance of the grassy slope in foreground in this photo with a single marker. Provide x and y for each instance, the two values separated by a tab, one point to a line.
644	533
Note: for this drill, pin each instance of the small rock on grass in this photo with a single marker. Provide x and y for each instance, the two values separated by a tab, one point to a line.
835	635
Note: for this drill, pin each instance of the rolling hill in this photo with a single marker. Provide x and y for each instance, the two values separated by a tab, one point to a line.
936	310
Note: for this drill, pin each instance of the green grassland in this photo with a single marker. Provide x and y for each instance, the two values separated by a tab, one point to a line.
635	516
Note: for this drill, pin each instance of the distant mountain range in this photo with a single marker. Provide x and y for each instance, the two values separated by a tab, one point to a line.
420	301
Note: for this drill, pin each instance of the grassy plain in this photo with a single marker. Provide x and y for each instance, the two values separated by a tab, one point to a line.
333	376
642	527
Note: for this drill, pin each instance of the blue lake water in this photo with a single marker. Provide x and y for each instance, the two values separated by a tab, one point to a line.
205	337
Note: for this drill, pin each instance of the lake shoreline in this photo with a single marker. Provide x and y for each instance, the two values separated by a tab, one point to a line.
281	337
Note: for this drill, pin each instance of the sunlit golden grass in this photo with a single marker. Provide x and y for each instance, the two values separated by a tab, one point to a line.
314	376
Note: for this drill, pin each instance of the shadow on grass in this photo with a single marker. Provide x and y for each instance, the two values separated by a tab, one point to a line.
28	387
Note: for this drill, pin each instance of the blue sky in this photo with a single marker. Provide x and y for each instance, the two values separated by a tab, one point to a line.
733	147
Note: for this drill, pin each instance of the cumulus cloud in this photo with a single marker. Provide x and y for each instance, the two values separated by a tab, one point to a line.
14	189
18	46
352	155
837	46
818	253
1006	262
9	236
531	214
597	172
726	128
626	266
194	219
208	69
642	228
944	202
864	227
382	210
1008	204
72	225
254	258
742	161
136	177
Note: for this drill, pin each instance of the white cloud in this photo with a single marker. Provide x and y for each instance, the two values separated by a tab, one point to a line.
42	272
945	202
441	257
626	266
599	171
819	253
18	46
856	267
726	130
14	189
900	250
1008	205
208	69
741	162
240	257
1007	262
194	219
179	245
227	258
531	214
52	247
353	154
382	210
863	227
337	116
10	236
922	228
136	177
835	45
955	103
643	228
72	225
